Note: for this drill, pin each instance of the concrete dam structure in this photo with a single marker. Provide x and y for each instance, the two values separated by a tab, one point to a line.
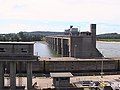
73	65
12	54
75	44
18	57
78	51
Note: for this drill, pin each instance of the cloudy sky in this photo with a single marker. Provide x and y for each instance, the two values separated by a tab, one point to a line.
57	15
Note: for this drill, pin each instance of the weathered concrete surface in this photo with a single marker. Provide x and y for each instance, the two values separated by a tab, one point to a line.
12	53
82	45
47	82
13	75
74	65
1	75
29	75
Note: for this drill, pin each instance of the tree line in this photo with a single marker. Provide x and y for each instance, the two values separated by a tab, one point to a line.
21	36
109	36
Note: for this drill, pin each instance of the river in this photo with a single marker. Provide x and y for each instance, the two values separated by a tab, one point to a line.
41	49
108	49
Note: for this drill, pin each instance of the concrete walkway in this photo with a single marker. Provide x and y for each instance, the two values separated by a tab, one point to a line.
46	82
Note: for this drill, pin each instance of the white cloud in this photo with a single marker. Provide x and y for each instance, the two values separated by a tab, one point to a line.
93	11
15	27
75	10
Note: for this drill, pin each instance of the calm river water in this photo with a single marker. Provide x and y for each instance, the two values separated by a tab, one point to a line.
108	49
42	49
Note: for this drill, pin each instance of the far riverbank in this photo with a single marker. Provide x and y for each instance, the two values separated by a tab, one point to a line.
109	40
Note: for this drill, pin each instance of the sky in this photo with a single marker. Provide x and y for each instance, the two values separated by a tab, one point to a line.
57	15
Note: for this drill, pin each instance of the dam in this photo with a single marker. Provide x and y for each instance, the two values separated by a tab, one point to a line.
12	53
75	44
78	51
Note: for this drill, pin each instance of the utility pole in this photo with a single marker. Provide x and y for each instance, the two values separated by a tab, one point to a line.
102	69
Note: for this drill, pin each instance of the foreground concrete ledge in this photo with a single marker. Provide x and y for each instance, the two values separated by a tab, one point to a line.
51	59
17	88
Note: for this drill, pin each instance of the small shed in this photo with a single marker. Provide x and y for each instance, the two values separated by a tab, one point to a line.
61	79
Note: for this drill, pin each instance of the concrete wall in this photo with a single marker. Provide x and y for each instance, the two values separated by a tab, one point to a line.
16	49
79	66
93	31
6	49
71	66
82	45
23	49
61	81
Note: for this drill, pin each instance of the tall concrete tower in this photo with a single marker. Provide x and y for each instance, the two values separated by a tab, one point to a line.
93	31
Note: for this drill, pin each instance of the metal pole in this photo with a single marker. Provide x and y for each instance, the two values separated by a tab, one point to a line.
102	69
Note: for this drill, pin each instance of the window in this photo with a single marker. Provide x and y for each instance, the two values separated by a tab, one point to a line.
2	49
56	79
24	50
64	78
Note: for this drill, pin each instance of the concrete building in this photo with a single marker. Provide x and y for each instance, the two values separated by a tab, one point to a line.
13	53
75	44
61	79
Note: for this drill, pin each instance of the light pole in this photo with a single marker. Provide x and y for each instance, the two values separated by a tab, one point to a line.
102	69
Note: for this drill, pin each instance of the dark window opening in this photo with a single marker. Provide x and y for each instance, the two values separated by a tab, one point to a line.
64	78
2	49
72	68
24	50
56	79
